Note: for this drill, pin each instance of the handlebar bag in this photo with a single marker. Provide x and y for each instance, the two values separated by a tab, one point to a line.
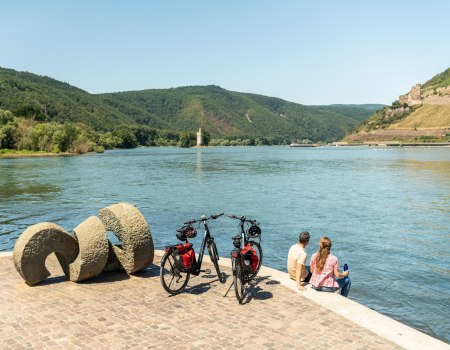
251	258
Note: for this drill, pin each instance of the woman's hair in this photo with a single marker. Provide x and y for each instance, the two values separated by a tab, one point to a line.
322	254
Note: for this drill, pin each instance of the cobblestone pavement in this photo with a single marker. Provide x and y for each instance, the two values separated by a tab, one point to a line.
116	311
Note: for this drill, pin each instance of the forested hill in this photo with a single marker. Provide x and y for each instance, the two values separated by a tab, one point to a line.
224	114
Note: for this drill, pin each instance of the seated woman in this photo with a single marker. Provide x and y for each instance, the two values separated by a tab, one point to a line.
325	272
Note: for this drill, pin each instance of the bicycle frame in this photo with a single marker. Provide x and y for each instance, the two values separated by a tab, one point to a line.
206	238
245	238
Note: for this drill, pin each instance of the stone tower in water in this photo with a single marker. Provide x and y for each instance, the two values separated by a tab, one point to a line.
199	137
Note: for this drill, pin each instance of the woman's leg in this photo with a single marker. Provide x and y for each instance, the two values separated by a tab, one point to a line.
326	289
344	284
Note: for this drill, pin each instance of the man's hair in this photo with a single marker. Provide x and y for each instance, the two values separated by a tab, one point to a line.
303	237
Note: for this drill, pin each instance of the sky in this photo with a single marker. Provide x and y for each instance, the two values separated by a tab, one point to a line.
309	52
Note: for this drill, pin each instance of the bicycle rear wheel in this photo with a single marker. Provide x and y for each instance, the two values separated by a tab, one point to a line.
214	256
173	279
240	286
257	247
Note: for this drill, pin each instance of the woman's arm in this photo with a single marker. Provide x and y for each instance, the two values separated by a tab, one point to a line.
338	274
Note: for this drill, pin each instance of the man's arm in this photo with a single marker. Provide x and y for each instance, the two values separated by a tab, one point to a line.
298	276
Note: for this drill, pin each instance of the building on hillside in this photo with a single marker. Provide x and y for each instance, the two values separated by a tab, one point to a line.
413	97
199	137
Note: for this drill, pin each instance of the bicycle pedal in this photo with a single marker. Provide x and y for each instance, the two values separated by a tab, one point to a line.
207	271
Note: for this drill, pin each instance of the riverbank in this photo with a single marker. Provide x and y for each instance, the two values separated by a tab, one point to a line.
392	144
24	154
113	311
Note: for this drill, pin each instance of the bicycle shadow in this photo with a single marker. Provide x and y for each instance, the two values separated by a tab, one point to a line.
256	291
203	287
259	279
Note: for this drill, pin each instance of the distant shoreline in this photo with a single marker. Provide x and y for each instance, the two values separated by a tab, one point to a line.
14	155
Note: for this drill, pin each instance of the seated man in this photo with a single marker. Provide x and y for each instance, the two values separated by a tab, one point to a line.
296	262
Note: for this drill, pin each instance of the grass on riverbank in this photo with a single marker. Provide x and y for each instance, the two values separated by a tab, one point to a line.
10	153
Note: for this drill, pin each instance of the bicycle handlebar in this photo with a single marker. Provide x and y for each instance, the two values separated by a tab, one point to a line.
243	219
204	218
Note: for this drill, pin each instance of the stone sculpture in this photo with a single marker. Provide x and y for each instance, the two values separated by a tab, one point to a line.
130	227
93	250
88	252
36	243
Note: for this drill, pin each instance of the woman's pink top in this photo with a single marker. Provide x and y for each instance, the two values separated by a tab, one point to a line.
325	278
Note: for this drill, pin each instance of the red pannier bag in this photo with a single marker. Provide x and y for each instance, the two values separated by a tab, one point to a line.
250	253
186	254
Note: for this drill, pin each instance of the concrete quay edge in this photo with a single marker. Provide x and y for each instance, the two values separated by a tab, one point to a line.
385	327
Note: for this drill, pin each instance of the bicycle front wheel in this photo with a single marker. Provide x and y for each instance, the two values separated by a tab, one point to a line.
239	281
214	256
173	279
257	247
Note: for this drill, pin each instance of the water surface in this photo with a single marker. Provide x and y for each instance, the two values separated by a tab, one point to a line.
385	210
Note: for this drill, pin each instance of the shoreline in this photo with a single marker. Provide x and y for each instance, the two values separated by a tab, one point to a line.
13	155
382	144
383	326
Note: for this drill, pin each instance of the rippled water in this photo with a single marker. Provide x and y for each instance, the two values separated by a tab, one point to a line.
385	210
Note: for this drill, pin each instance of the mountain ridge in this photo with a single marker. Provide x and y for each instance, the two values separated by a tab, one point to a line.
221	112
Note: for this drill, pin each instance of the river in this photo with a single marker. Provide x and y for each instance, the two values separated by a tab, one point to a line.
386	210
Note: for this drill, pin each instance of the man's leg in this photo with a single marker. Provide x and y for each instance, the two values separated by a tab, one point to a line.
307	278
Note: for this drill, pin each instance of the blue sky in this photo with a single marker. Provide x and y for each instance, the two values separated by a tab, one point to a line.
309	52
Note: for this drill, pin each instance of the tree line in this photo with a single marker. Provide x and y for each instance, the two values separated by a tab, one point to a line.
30	134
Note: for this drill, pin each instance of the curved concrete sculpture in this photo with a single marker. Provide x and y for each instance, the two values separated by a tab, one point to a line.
89	252
127	223
35	244
93	250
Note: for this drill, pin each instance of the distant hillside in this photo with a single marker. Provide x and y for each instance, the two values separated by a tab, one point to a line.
222	113
439	80
227	113
46	99
423	114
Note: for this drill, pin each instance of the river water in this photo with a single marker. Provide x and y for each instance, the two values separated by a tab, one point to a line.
386	210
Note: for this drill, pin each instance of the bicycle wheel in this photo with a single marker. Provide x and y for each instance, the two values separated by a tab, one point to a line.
239	281
257	247
173	279
214	256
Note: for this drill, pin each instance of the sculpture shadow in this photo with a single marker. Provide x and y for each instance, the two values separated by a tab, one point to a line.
107	277
150	271
51	280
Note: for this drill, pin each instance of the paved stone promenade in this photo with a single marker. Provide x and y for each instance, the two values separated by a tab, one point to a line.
115	311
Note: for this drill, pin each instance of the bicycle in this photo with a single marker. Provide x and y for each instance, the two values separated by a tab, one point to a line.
179	261
246	257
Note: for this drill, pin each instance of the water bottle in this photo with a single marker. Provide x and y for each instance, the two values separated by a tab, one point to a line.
345	267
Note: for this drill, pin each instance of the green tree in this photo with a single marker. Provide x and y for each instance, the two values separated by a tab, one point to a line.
109	141
188	139
206	138
6	117
8	136
128	139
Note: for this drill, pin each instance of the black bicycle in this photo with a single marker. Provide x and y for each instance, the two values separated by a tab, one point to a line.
246	257
179	261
